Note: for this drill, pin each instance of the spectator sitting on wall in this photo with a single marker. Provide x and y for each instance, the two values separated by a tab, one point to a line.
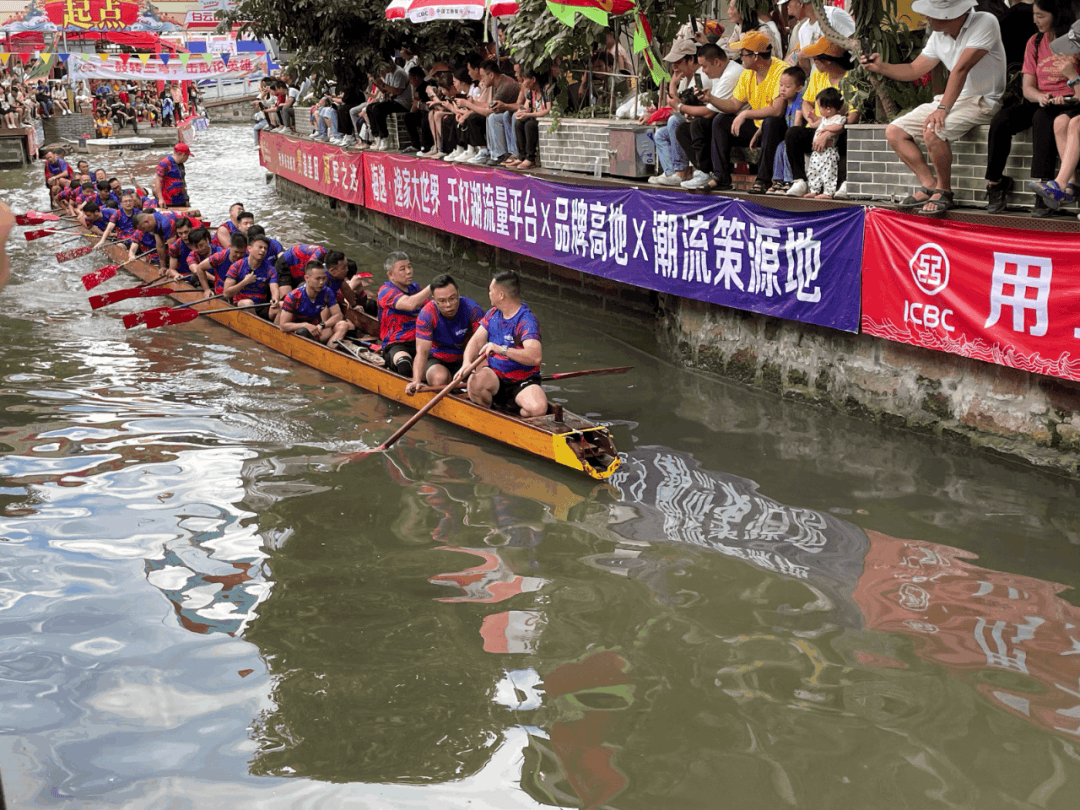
1046	95
535	105
968	43
749	108
1062	190
719	77
440	88
416	119
463	134
831	64
810	32
476	107
397	98
670	154
505	101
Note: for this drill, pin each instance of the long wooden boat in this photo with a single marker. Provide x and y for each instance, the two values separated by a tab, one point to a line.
564	438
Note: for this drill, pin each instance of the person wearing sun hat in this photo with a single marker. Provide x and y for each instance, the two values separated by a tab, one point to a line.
968	43
839	20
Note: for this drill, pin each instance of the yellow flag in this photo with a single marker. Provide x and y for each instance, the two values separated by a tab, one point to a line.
104	57
4	58
47	58
143	57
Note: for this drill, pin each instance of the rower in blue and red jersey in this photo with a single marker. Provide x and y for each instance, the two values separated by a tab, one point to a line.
179	247
291	265
201	251
400	298
153	230
253	280
58	174
170	187
443	329
212	270
509	337
122	222
311	310
102	196
96	218
230	226
275	249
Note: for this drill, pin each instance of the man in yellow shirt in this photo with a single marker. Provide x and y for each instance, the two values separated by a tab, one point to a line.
740	118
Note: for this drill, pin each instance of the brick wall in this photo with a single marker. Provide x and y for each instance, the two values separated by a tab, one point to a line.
69	127
875	170
576	146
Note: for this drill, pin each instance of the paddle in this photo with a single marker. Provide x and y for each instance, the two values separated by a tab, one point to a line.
74	253
420	414
103	274
35	218
43	232
563	376
166	316
99	301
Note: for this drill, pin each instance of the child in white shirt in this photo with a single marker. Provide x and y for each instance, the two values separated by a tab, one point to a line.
824	165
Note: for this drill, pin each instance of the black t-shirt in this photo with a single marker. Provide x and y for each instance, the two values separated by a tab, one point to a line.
1017	27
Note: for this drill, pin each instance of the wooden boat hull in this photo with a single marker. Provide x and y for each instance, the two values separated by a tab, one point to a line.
574	442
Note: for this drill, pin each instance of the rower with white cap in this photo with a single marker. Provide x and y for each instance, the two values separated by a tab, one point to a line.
969	44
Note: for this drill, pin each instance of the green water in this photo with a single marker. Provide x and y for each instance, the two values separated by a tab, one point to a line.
202	604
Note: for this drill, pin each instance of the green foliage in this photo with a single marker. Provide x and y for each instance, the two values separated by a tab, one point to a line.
343	38
896	43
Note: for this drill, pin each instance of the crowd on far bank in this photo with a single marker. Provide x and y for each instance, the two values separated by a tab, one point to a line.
771	91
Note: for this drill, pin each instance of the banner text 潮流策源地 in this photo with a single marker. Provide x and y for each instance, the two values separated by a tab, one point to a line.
1001	295
800	267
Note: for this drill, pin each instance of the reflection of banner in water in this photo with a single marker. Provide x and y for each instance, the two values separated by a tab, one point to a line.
971	619
964	618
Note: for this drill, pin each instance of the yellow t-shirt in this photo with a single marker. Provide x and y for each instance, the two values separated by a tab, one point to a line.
760	94
817	82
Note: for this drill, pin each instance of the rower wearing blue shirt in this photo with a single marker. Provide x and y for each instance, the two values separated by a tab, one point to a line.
96	217
509	337
400	298
443	329
311	310
275	248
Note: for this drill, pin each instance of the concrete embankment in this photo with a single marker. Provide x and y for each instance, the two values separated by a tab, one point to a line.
1016	414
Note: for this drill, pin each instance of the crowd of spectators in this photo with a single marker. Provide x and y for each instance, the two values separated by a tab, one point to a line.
774	92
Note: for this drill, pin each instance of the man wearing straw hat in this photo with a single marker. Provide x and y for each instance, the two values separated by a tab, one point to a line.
968	43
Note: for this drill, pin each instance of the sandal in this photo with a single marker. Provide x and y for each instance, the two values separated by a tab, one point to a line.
759	187
911	201
943	203
778	187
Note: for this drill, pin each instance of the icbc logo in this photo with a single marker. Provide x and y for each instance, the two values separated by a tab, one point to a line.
930	268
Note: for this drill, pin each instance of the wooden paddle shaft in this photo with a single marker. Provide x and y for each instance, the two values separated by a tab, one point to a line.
420	414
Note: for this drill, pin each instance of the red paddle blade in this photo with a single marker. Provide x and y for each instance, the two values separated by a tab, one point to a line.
32	235
35	218
163	316
133	319
74	253
99	276
99	301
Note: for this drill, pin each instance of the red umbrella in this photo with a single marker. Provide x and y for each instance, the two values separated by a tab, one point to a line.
396	10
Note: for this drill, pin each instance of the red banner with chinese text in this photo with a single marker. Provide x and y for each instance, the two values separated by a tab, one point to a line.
317	166
1001	295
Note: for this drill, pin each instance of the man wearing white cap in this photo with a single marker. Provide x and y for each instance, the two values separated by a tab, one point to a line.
968	43
839	20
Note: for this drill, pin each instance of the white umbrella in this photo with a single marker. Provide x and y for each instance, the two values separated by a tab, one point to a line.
396	10
428	10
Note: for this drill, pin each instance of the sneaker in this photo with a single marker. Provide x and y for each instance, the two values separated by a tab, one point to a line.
318	137
349	140
1052	193
669	180
697	181
468	155
997	195
481	157
437	155
798	189
655	179
458	152
842	193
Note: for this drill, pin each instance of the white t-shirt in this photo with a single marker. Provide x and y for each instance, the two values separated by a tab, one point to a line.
724	85
839	118
981	31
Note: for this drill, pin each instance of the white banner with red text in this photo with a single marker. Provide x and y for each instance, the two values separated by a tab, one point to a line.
177	67
1001	295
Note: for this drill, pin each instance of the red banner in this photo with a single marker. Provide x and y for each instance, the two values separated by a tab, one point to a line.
314	165
1001	295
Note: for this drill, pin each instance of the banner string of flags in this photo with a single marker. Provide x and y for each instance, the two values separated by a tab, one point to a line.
145	58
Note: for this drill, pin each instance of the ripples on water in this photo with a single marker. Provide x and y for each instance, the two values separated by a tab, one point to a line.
202	606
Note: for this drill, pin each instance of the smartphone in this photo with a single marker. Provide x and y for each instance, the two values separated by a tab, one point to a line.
867	48
697	81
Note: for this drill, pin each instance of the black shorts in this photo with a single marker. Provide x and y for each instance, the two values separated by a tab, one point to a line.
388	352
506	396
453	366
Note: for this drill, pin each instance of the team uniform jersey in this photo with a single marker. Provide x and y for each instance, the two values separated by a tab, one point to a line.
297	257
107	202
303	308
193	260
275	250
448	336
106	217
396	326
265	275
219	267
173	185
125	225
232	229
58	169
164	227
512	333
179	250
